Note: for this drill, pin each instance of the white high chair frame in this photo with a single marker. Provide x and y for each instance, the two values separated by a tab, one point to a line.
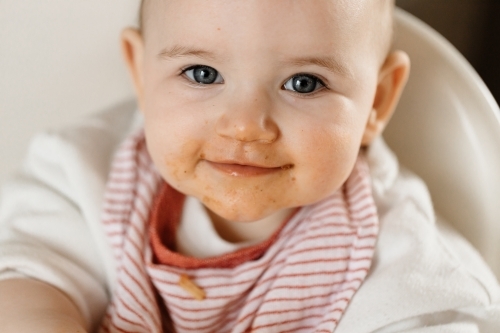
60	59
447	130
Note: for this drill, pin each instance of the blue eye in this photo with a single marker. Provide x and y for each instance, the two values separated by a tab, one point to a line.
303	83
203	74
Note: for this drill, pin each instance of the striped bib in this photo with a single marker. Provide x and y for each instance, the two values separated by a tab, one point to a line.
299	280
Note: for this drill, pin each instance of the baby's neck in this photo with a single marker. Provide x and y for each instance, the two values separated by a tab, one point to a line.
236	232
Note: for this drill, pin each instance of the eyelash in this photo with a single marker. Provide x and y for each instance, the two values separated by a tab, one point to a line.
304	95
194	82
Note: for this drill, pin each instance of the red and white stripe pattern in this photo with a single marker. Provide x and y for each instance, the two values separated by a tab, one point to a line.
302	283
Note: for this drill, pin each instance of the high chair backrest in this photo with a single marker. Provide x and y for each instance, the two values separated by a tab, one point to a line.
60	59
447	130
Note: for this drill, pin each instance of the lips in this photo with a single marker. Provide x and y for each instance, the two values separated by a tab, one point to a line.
246	170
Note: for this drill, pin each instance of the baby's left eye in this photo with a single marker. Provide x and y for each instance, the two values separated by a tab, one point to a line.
203	74
303	83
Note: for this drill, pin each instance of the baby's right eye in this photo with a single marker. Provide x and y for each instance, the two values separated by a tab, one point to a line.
304	84
203	74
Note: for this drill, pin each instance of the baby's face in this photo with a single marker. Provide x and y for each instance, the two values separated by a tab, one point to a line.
256	107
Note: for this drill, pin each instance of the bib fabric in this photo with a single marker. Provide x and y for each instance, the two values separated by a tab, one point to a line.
299	280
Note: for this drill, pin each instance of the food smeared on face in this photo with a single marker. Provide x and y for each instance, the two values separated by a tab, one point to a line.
260	113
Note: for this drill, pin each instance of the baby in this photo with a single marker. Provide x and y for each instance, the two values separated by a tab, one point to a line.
247	197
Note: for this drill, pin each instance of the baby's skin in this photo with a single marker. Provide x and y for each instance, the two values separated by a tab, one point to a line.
264	106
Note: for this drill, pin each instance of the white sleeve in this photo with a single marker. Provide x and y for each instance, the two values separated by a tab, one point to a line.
457	327
446	328
43	234
50	213
424	277
474	319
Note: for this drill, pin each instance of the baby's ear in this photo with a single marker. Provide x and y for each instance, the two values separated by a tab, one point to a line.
391	82
133	53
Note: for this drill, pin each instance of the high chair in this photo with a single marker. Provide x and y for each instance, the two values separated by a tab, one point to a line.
447	130
63	61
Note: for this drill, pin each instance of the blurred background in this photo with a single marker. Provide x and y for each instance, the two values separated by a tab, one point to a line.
472	26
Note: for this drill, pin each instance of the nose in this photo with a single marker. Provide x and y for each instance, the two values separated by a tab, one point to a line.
248	118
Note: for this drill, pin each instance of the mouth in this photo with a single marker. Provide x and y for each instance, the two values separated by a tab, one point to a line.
246	170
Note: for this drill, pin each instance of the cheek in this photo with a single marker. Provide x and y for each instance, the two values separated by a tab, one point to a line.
332	157
174	144
326	153
178	164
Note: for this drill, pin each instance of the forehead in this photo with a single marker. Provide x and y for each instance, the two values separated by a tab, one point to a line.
277	26
350	7
263	14
145	4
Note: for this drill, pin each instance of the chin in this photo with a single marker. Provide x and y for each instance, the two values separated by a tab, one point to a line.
239	213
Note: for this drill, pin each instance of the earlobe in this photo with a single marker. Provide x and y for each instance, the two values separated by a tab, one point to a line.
392	80
133	53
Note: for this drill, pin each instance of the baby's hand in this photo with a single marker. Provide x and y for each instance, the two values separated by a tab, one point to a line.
30	306
43	323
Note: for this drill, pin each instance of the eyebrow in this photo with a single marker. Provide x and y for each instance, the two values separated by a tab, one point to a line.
329	63
178	51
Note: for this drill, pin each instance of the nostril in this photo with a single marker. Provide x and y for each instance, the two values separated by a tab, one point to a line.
246	128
